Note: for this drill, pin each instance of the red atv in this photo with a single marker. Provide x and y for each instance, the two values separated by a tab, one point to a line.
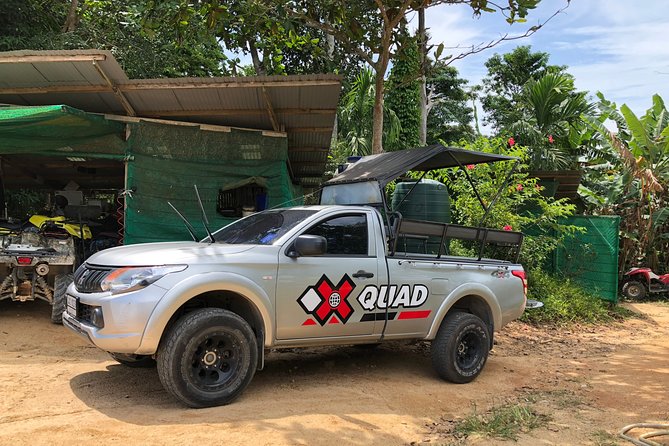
638	282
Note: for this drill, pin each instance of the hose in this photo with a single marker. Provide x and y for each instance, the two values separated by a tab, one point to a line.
643	439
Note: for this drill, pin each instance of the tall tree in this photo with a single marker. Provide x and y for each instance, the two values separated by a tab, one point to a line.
449	113
369	29
403	95
503	85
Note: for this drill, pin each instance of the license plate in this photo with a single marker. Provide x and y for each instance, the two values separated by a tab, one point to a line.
71	306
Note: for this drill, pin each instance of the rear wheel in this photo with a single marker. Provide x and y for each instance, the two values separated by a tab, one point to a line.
208	357
60	284
135	361
634	289
460	349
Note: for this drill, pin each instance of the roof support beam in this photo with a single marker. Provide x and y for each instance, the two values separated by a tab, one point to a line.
309	130
171	84
239	112
270	111
118	93
52	58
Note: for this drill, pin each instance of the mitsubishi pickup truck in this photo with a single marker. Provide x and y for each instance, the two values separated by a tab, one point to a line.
336	273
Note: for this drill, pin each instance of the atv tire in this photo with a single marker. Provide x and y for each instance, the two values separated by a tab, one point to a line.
60	284
634	289
460	349
208	357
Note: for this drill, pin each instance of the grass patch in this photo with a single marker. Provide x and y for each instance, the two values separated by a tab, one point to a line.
505	422
603	438
566	302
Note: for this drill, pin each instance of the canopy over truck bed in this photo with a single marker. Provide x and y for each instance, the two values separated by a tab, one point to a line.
364	181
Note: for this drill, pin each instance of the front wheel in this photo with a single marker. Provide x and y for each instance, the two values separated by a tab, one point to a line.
633	289
460	349
208	358
60	284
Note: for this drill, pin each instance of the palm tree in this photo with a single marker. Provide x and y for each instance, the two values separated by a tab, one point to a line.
355	118
552	115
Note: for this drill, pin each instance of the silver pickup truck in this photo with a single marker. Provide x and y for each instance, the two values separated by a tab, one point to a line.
297	277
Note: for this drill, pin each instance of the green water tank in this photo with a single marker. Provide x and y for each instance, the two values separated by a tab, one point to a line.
429	201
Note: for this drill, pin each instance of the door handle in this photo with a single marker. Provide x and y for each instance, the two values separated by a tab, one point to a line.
361	274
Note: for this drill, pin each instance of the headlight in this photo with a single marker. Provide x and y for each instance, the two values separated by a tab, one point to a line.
123	280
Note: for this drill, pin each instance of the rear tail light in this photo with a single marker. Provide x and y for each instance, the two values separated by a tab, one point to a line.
24	260
521	275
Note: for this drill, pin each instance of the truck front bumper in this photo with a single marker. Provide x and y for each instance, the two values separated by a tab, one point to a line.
124	317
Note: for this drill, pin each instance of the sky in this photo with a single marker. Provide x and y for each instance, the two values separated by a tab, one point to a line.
617	47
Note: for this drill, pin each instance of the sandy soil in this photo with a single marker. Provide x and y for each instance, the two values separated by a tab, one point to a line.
56	389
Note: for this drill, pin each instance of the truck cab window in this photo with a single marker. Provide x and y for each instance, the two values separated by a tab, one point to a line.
346	235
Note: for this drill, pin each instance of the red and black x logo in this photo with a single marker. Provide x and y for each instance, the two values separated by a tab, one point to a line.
324	301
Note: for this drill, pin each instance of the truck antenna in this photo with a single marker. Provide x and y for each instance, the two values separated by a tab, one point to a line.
205	220
188	225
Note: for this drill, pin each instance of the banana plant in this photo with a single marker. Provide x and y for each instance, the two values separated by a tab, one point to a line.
638	156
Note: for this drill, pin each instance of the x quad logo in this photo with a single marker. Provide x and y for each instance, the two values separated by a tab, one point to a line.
327	303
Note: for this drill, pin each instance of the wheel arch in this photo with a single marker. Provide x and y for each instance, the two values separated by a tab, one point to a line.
219	290
477	300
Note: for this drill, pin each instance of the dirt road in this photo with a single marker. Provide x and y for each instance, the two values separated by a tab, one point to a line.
56	389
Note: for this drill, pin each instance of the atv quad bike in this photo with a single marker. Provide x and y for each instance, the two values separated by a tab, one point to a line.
37	260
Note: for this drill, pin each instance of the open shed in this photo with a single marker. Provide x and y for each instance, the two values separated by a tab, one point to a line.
247	143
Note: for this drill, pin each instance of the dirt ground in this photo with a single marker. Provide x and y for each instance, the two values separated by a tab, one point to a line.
590	382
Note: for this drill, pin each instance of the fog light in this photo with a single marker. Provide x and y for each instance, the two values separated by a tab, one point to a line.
96	317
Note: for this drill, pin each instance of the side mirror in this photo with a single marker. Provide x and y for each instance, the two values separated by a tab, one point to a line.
308	245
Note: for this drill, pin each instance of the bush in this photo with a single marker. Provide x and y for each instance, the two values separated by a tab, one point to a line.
566	302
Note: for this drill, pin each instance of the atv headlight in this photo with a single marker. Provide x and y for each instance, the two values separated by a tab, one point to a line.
128	279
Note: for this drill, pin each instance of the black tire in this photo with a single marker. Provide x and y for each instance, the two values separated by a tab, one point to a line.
634	289
207	358
135	361
60	284
460	349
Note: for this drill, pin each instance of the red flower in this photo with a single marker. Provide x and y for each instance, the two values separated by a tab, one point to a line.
550	139
519	187
470	166
507	228
512	142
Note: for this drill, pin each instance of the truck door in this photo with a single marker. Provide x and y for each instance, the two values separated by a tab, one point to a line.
316	295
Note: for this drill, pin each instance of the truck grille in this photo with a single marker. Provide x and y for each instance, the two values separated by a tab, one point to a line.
88	278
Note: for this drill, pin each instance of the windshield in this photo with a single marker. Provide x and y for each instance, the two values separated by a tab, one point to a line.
261	228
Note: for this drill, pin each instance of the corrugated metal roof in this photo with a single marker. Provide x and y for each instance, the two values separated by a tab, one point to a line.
303	106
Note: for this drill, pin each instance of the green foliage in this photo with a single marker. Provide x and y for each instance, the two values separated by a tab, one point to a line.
503	85
355	119
566	302
505	422
145	48
520	205
550	120
450	114
628	175
403	96
22	203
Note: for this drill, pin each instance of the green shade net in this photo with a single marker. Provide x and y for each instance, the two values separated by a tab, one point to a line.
53	129
168	160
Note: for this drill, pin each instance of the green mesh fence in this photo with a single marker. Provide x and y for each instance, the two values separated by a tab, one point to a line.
168	160
55	129
591	258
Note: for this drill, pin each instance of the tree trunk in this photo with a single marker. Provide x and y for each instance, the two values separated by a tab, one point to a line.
257	64
422	49
377	122
71	20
